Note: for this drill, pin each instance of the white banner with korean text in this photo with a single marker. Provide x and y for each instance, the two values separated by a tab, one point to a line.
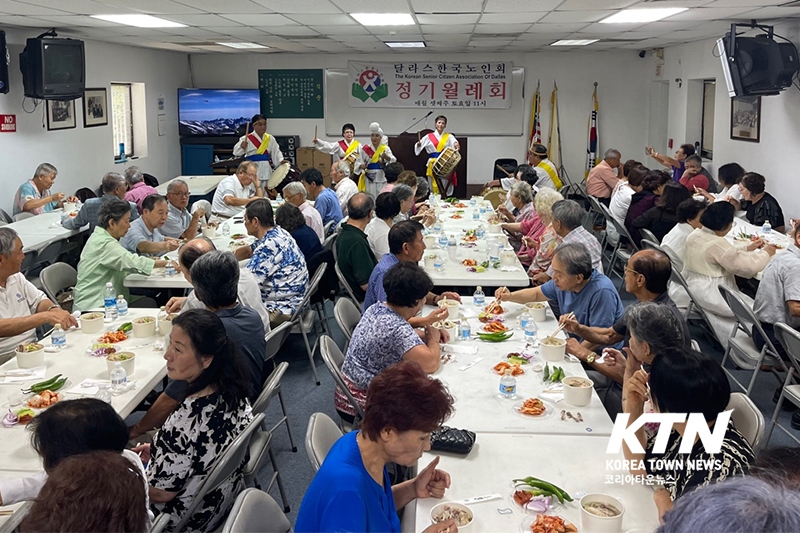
424	84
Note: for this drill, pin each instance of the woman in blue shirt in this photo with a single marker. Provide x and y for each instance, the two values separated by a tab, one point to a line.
351	491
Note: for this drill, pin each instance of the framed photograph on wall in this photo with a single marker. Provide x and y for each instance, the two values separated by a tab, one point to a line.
95	108
746	118
60	114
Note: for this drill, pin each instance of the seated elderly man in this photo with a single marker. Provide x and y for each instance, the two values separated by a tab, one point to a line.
215	278
295	193
325	200
34	195
138	190
405	244
696	177
577	287
180	223
23	307
354	255
601	180
275	260
567	223
236	191
143	236
249	291
345	187
113	188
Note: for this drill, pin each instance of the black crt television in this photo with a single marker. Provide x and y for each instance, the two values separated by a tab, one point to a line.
53	69
3	63
215	112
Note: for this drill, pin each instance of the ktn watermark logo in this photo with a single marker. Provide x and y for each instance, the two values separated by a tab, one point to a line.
696	427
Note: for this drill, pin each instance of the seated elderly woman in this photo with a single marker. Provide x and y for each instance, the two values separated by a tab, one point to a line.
759	205
533	228
641	201
741	505
352	490
710	261
545	245
98	491
104	260
405	194
295	193
674	244
384	336
211	415
34	195
291	219
683	381
67	429
387	208
521	198
663	216
730	176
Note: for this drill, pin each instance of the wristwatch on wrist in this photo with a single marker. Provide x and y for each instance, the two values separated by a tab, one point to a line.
591	357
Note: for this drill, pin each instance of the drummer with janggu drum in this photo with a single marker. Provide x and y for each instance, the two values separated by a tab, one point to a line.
443	156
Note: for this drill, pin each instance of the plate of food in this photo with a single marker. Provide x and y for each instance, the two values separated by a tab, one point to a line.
488	317
460	205
501	367
534	408
447	510
552	374
469	238
494	308
495	326
518	358
456	216
543	523
112	337
237	236
469	262
534	500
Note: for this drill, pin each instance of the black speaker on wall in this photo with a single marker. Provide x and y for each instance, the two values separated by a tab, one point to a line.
3	63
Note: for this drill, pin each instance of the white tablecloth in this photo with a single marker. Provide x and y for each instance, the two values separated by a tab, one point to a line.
38	231
198	185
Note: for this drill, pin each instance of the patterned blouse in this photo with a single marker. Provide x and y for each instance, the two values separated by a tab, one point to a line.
182	453
734	459
280	269
548	243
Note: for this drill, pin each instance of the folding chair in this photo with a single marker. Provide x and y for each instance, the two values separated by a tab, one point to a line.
694	311
619	252
326	229
743	351
347	316
57	277
790	339
272	388
160	523
649	235
5	217
22	216
275	339
255	511
303	318
321	435
346	285
748	419
334	359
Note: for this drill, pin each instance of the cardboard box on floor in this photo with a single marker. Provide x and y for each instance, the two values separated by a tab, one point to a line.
309	157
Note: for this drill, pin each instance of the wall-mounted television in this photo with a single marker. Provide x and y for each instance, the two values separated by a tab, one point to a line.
53	69
215	111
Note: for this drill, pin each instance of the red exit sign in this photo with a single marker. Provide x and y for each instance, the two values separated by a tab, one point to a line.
8	123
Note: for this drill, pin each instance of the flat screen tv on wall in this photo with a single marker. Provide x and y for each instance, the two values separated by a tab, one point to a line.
215	111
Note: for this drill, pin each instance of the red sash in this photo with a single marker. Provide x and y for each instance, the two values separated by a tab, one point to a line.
433	139
368	149
343	146
253	139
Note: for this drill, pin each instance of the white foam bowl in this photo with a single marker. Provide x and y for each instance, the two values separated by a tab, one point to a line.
591	523
553	352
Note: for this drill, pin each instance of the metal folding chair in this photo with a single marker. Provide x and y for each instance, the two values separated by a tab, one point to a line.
790	340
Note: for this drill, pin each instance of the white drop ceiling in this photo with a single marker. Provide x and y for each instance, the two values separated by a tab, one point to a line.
325	26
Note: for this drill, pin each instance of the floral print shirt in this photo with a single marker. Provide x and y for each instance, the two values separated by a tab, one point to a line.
280	269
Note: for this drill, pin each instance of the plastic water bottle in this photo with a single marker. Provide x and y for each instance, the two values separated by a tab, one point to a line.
443	241
508	385
473	201
110	302
481	232
119	378
103	393
478	297
476	215
531	331
279	199
766	228
122	305
226	230
523	320
452	248
463	329
483	209
438	263
59	337
169	270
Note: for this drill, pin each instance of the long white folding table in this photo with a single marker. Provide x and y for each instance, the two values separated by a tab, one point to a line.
198	185
38	231
773	237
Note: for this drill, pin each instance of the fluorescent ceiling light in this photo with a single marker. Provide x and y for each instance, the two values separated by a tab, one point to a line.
242	46
574	42
383	19
629	16
140	21
410	44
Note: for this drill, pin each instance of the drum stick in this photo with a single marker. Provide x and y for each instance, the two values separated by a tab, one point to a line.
504	170
247	130
315	132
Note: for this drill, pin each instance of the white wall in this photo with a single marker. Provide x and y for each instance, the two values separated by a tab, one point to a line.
623	89
776	156
83	155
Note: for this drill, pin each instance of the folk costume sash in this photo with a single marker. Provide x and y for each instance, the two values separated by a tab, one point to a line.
261	148
440	145
374	164
548	166
348	149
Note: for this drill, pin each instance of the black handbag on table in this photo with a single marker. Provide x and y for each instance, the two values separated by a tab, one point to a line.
454	440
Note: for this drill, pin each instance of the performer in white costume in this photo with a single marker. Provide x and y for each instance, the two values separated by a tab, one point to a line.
348	148
260	147
433	143
374	158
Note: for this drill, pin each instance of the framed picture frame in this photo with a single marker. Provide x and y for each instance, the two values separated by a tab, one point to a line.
60	114
95	108
746	118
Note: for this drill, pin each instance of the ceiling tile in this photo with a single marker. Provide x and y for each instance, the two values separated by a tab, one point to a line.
580	5
359	6
519	6
501	28
226	6
81	7
154	7
341	30
597	28
464	18
518	18
434	29
206	19
771	13
562	17
396	30
710	13
18	8
355	39
225	30
463	38
323	19
447	6
669	26
261	19
557	28
78	20
740	3
293	6
28	22
291	31
534	38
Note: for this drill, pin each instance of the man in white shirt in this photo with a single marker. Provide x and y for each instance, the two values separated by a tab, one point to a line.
235	192
23	307
621	198
344	186
295	193
180	223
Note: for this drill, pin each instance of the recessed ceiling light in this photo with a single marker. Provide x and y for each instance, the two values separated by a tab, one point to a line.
630	16
574	42
242	46
140	21
411	44
383	19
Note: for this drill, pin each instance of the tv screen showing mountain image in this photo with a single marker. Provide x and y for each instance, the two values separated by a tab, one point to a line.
215	111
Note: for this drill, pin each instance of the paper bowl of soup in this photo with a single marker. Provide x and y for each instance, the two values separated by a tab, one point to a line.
144	327
126	359
601	513
450	327
209	232
577	390
92	322
552	349
537	311
30	355
430	241
445	511
452	307
494	228
165	324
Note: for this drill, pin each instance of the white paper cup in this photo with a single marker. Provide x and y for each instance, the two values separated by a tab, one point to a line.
69	207
553	352
452	308
31	359
577	390
92	322
127	364
508	258
165	324
429	261
430	241
591	523
494	228
439	508
144	329
537	311
209	232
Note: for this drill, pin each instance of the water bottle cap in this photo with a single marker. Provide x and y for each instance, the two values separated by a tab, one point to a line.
479	288
508	372
118	365
121	296
57	326
109	284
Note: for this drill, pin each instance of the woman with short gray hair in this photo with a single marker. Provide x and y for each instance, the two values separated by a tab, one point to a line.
405	194
34	195
104	259
295	193
521	197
